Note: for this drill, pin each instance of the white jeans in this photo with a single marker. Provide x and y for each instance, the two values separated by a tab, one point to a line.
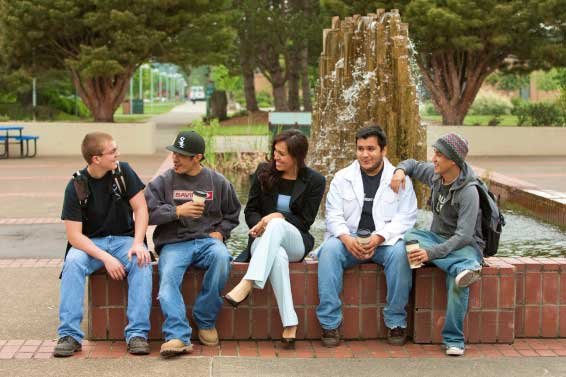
280	244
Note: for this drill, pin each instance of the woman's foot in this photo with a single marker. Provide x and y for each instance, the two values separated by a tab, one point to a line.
239	293
289	336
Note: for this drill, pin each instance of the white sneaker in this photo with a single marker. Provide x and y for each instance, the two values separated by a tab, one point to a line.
467	277
454	351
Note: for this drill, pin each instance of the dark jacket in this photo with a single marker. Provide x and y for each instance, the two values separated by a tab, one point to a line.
304	204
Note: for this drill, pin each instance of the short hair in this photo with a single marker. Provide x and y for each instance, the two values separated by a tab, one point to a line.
93	145
372	129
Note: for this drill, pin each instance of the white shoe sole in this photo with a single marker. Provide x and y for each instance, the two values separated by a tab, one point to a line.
466	278
453	351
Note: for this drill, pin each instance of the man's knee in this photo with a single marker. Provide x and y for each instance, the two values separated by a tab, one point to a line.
331	251
76	259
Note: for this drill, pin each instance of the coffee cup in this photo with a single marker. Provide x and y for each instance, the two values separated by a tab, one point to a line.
199	196
363	236
411	246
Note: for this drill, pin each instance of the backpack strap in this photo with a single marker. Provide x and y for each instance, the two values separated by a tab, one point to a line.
80	182
118	177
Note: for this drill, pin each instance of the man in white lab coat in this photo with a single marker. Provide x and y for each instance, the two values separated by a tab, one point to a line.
365	222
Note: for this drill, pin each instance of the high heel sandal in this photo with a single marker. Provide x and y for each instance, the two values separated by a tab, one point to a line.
288	343
233	302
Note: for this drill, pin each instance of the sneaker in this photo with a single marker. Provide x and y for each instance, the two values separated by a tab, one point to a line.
208	337
397	336
467	277
330	338
175	347
66	346
138	346
454	351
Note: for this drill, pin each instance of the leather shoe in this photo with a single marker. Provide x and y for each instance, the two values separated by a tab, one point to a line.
233	302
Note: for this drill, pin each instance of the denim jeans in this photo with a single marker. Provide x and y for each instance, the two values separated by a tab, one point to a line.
280	243
208	254
334	258
466	258
79	264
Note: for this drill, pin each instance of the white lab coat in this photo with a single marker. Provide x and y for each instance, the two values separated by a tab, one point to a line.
393	214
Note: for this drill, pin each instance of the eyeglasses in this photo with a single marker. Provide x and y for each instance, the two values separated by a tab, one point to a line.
111	152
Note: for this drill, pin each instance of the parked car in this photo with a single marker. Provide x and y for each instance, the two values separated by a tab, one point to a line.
197	94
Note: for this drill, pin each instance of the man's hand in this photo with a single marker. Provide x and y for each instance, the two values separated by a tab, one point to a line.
190	209
374	241
142	254
398	180
114	267
353	247
418	256
217	235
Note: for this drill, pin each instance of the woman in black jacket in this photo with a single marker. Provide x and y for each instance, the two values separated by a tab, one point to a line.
282	205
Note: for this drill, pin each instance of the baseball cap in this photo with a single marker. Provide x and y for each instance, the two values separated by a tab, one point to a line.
188	143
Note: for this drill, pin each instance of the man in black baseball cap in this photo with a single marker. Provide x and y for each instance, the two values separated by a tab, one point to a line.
191	232
188	143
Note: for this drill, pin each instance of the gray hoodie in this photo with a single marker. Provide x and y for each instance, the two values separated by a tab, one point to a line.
459	220
165	192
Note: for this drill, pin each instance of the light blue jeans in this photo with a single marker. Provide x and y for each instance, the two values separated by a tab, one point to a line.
466	258
334	258
280	243
79	265
208	254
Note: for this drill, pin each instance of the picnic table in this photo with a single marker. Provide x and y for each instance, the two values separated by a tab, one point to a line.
13	134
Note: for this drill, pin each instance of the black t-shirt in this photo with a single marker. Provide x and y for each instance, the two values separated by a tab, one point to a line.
371	184
106	214
284	193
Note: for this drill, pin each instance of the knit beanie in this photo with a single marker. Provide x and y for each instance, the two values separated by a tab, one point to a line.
454	147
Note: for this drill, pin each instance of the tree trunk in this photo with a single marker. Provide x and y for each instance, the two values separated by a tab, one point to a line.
293	70
102	95
268	62
248	76
305	85
454	78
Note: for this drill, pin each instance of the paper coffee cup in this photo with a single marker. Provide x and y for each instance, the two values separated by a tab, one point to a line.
199	196
409	247
363	236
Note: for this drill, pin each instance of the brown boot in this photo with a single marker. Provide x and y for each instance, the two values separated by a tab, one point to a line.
208	337
175	347
330	338
397	336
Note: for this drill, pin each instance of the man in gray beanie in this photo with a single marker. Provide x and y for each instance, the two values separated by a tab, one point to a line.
454	242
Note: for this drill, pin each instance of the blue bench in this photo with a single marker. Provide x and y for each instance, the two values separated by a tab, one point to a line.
20	139
282	121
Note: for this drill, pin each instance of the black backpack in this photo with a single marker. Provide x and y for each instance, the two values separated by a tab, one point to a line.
80	181
492	220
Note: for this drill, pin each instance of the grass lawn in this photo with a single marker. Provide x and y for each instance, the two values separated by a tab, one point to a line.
150	110
472	120
238	130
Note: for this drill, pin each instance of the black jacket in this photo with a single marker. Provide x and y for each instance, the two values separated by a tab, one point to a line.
305	201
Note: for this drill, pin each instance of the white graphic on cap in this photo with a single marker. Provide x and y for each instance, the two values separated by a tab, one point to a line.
181	142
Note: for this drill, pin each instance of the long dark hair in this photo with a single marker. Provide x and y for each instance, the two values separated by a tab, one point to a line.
297	146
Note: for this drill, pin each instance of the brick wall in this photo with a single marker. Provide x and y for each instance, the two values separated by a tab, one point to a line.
517	297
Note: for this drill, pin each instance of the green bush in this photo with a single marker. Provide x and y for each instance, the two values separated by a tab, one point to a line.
489	106
429	109
538	113
264	99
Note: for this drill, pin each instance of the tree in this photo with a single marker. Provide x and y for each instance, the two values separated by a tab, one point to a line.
102	43
460	42
276	36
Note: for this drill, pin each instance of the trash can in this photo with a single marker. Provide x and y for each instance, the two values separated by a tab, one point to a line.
137	106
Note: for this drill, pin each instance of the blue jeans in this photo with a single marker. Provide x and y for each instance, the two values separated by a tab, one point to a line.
466	258
208	254
79	264
334	258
